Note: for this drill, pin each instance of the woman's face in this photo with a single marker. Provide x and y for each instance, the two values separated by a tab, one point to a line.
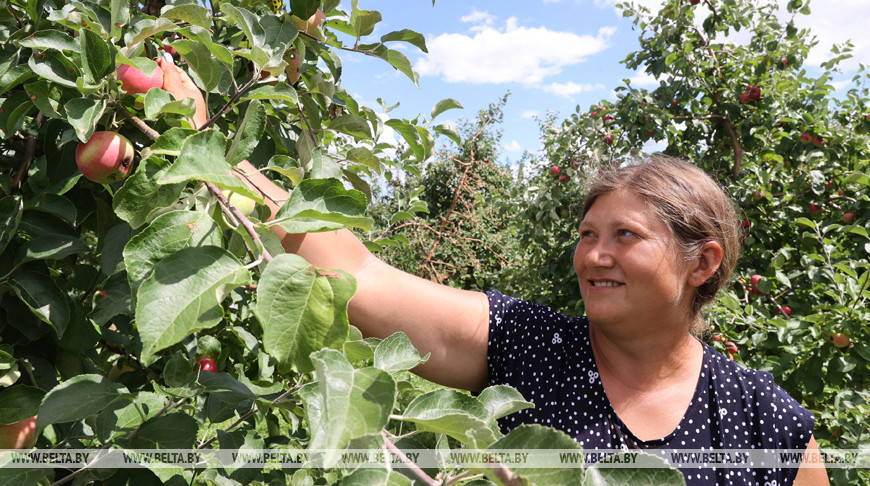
628	264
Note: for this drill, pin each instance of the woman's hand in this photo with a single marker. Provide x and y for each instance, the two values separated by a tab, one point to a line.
179	84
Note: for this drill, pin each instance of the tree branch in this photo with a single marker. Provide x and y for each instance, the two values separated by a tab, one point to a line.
413	467
29	154
244	221
231	101
136	121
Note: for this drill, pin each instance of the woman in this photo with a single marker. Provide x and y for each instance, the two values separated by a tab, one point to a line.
657	241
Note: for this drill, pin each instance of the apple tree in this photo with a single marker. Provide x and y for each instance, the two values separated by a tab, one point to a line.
144	301
794	153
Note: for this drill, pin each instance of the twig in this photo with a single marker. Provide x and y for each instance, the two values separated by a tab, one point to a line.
169	406
12	10
138	123
29	153
244	221
92	286
413	467
231	102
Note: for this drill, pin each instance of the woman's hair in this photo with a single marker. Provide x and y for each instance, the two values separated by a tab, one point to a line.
693	206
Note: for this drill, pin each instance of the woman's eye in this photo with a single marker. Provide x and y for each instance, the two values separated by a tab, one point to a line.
624	232
586	234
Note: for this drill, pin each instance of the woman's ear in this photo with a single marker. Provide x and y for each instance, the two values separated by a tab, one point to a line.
706	264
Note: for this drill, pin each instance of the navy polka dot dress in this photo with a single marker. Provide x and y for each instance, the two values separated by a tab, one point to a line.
548	358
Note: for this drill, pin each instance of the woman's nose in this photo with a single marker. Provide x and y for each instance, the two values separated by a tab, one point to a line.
599	254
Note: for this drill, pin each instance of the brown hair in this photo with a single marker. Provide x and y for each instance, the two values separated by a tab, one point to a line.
694	207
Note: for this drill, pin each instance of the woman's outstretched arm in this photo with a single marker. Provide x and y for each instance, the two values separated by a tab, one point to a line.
451	324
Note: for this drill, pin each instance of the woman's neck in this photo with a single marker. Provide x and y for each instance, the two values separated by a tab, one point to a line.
646	361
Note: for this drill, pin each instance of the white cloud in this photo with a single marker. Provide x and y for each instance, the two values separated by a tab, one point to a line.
514	146
641	79
492	55
483	19
531	114
569	89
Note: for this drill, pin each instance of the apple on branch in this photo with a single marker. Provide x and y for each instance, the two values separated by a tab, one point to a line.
105	158
134	81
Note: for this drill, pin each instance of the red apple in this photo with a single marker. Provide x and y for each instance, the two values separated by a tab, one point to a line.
785	310
731	347
744	98
608	139
818	141
806	138
206	364
574	163
555	170
717	337
20	435
135	81
563	178
106	157
848	218
784	62
814	208
839	339
753	281
746	223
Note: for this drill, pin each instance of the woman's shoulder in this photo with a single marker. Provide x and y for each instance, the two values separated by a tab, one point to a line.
507	309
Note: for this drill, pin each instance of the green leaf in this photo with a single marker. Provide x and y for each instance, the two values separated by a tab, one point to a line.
200	60
202	159
356	403
155	98
304	8
190	13
364	156
363	21
224	387
301	309
534	437
50	39
444	105
449	132
166	235
351	124
410	134
171	431
51	69
75	399
503	400
322	204
82	114
142	196
119	299
203	36
453	413
120	16
98	57
42	296
409	36
170	141
19	402
396	353
183	295
50	247
397	60
249	133
247	21
279	92
15	76
11	208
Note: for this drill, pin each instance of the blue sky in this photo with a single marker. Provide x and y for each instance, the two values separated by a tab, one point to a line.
552	55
